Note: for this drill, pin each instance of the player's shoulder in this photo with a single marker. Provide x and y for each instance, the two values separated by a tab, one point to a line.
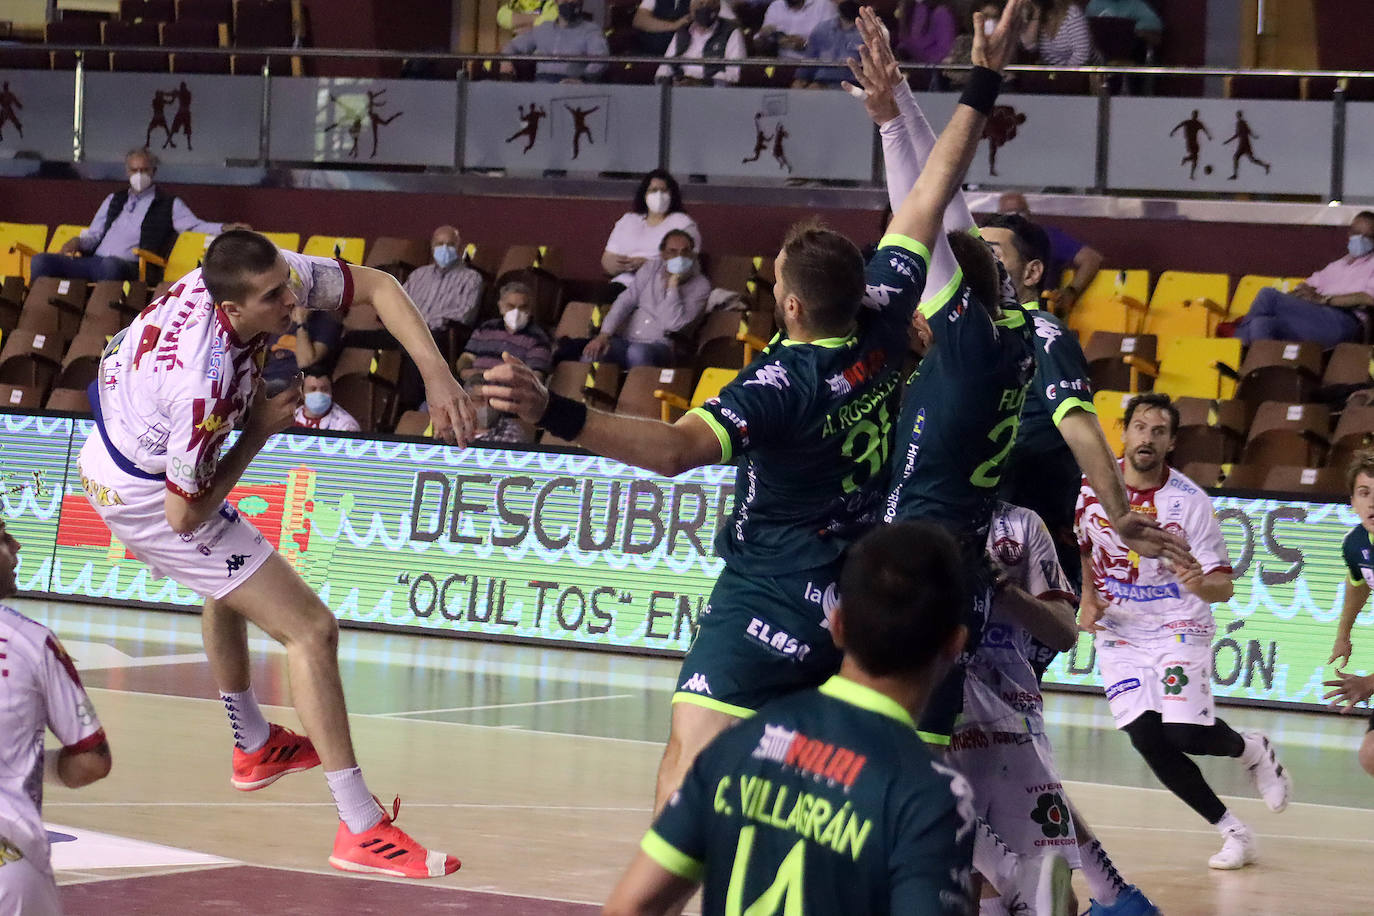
19	630
1356	541
785	366
1179	484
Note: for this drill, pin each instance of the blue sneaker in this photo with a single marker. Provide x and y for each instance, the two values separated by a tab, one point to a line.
1131	903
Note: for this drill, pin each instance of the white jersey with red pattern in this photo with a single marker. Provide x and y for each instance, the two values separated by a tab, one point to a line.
336	418
39	690
175	382
1021	548
1145	600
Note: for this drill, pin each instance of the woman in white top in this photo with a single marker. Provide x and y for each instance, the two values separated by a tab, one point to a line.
1059	32
657	211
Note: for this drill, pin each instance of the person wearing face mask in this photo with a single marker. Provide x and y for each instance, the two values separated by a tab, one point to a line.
141	215
836	40
318	410
514	332
788	23
666	297
1330	306
571	34
637	235
656	21
709	34
445	291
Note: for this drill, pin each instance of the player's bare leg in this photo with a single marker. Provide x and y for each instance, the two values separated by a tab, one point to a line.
692	729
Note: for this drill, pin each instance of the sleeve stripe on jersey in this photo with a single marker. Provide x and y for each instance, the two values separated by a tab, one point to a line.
1222	568
88	743
933	739
1354	580
346	301
938	301
1070	404
189	497
670	857
906	242
63	659
726	449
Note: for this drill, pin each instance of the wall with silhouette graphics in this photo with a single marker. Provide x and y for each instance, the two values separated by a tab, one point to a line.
368	122
183	118
36	114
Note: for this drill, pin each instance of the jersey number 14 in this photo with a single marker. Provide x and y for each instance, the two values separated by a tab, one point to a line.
783	897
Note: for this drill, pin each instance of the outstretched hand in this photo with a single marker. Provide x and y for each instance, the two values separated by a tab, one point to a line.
1349	689
450	410
995	51
513	387
876	73
1144	535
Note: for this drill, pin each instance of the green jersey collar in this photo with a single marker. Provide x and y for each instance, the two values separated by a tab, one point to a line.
856	694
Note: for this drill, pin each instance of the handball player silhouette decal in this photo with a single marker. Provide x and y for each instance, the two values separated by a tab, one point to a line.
355	112
774	108
9	102
181	120
583	120
1000	130
530	118
1244	136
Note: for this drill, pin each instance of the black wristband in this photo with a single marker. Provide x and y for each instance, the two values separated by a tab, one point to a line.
980	93
564	417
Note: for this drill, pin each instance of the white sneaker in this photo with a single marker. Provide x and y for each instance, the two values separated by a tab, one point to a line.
1270	777
1238	851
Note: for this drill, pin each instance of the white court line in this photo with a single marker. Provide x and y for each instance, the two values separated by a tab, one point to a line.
422	712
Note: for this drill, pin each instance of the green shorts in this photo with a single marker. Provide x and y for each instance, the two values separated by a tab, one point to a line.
760	638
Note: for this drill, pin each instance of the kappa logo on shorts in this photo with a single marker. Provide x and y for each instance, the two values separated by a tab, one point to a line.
697	684
1174	680
1120	687
235	562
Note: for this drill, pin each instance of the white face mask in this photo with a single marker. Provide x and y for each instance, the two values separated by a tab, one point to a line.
679	265
989	26
140	181
318	402
658	201
516	319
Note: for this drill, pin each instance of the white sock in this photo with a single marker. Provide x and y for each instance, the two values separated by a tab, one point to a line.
1229	823
250	728
991	906
994	859
1104	881
357	808
1253	753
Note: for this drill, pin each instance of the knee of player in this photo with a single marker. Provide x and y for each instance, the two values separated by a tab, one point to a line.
1367	753
320	631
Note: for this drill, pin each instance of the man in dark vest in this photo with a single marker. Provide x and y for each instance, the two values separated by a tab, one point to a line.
139	216
709	35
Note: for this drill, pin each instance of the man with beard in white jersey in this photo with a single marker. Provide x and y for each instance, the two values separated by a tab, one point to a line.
170	388
39	690
1154	628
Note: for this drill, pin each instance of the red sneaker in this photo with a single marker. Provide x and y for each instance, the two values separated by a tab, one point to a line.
284	753
386	849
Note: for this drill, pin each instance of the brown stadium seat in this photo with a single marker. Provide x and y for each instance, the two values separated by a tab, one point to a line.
196	33
30	359
75	32
579	320
485	259
369	401
72	400
1245	477
1286	433
519	257
205	10
1347	370
1111	360
146	10
82	362
105	309
52	299
398	256
1209	430
1315	482
20	397
414	423
264	24
645	391
596	384
115	33
1203	473
24	57
1280	370
730	339
1354	432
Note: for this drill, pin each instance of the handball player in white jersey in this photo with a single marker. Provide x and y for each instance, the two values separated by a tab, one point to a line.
1154	628
170	389
39	690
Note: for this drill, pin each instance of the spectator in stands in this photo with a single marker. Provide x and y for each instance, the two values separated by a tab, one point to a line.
1326	308
710	35
311	343
1058	32
666	297
836	39
446	291
319	410
787	24
961	53
572	33
1148	27
519	16
656	21
638	234
139	216
514	333
926	30
1065	252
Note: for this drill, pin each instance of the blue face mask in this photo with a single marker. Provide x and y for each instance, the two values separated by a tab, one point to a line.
679	265
445	255
318	402
1359	246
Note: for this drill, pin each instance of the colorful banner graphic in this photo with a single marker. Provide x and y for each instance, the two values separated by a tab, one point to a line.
579	550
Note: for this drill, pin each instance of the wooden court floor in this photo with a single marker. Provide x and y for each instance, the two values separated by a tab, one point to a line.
536	768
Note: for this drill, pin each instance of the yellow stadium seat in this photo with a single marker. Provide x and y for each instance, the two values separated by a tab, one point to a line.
710	383
61	235
186	254
1247	288
286	241
18	243
1114	301
1111	411
1187	304
1198	367
346	248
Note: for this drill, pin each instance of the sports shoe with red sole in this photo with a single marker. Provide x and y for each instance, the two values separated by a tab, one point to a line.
284	753
386	849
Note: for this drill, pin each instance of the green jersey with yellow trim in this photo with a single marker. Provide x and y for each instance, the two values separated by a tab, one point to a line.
810	426
960	416
1061	383
1356	549
829	797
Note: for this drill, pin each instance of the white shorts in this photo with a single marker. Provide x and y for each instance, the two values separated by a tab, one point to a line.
211	560
25	888
1016	785
1172	678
